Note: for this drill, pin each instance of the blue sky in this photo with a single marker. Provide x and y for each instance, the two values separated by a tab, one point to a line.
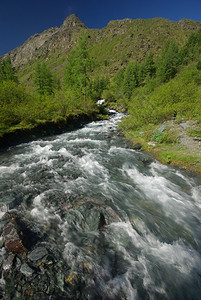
19	19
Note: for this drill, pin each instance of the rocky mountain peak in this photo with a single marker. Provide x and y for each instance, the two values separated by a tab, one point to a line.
73	21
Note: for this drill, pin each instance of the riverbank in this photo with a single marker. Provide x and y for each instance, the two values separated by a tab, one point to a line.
172	143
21	134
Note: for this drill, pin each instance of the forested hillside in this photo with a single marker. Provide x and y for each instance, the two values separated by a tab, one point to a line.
149	68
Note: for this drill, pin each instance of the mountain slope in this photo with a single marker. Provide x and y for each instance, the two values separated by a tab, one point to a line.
112	47
49	41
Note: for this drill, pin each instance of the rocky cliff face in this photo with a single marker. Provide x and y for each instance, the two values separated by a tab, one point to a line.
51	40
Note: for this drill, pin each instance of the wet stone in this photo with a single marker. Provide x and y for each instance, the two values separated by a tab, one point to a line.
38	253
137	146
1	242
26	270
12	239
8	263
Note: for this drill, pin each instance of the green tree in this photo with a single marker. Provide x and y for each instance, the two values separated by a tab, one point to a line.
43	79
118	79
191	50
131	80
149	65
78	67
198	66
98	85
167	64
7	72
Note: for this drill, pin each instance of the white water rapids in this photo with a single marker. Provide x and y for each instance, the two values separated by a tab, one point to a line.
149	249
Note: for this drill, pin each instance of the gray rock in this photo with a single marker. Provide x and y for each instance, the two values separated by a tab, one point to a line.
37	253
8	263
26	270
184	125
1	242
162	128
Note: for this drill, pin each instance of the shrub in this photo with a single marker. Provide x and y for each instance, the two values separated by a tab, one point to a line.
158	137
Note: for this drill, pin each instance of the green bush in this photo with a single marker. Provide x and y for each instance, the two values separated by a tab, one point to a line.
158	137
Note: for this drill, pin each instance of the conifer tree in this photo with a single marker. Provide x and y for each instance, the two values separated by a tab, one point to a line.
168	62
7	72
131	80
43	79
149	65
78	67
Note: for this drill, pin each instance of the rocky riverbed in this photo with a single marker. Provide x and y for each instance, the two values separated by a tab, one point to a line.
85	216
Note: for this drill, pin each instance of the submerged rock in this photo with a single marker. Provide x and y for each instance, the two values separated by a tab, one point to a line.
12	238
8	263
38	253
26	270
89	214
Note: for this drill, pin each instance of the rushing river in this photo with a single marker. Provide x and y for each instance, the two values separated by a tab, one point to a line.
133	224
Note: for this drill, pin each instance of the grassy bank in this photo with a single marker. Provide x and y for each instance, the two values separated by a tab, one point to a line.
168	146
27	132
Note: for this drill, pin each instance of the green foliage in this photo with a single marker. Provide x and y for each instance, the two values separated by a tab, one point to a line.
43	79
131	80
12	97
191	50
166	157
7	72
149	67
97	86
109	96
119	79
195	133
167	64
157	136
78	67
180	96
198	66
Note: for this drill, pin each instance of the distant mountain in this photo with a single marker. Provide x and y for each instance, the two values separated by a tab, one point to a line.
112	46
49	41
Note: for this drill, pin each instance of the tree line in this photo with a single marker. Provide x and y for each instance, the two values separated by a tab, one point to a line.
164	68
132	86
162	88
52	100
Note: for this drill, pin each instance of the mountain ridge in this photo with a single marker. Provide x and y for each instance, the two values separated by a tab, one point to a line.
42	43
119	42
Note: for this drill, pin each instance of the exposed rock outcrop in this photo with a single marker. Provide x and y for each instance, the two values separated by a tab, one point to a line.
40	45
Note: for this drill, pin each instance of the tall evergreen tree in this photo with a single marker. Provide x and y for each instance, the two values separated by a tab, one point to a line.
7	72
119	79
149	65
168	62
78	67
43	79
131	80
